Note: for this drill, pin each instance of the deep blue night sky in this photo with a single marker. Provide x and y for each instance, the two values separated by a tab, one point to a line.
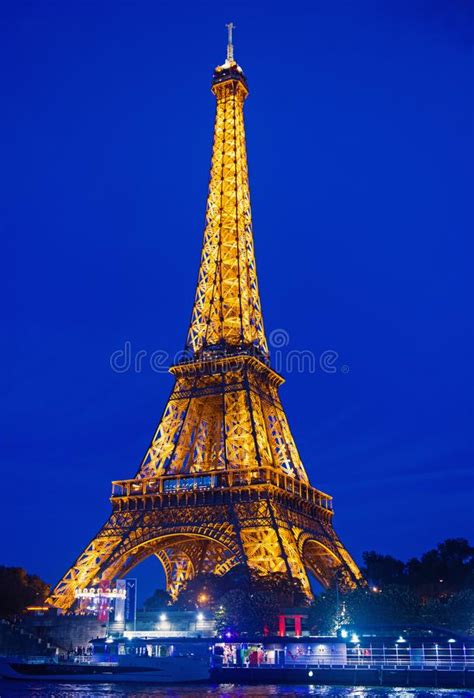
359	134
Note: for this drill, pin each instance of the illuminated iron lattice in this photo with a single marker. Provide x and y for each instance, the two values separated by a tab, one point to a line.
222	482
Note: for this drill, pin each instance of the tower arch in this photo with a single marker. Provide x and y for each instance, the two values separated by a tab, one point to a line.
183	554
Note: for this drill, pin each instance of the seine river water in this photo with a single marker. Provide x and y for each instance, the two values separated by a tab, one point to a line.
109	690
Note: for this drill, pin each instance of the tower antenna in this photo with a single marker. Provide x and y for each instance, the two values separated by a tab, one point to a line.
230	46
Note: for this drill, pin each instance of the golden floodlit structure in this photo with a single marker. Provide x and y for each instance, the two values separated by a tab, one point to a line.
222	482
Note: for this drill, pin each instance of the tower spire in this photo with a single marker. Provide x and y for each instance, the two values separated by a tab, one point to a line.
230	46
227	313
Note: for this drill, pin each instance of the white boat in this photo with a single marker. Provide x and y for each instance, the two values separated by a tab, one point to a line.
172	663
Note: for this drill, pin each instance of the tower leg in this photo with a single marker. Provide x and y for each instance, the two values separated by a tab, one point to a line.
269	544
86	569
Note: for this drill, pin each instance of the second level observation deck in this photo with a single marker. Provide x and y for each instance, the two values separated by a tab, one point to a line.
218	487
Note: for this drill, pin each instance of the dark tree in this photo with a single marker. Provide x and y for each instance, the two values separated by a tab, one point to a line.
459	612
435	590
203	591
18	589
446	569
158	601
282	591
240	602
380	570
238	613
253	607
396	604
326	613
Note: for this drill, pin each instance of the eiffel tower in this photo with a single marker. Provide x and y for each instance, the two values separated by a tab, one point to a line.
222	483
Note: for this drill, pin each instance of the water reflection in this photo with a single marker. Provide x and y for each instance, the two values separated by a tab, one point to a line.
23	689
